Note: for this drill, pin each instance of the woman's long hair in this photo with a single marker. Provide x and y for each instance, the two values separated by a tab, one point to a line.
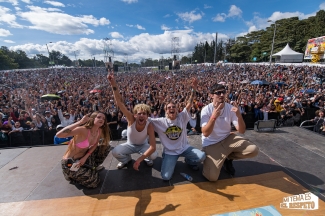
104	136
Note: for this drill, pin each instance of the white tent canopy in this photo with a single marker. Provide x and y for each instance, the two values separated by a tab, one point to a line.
288	55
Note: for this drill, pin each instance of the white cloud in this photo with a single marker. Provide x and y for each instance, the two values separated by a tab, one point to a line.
4	33
138	47
167	15
13	2
26	1
17	9
322	6
129	1
234	11
60	23
190	16
207	6
6	17
220	18
280	15
135	26
54	3
140	27
116	35
8	41
164	27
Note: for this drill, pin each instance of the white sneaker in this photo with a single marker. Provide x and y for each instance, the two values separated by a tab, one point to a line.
149	162
121	165
100	167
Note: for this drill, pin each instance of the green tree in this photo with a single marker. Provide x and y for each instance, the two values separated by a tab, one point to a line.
7	63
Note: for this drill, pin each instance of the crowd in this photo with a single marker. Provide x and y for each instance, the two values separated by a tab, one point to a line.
287	91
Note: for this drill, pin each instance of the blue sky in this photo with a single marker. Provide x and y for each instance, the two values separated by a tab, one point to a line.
136	29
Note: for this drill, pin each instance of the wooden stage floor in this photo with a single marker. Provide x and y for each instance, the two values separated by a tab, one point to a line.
291	162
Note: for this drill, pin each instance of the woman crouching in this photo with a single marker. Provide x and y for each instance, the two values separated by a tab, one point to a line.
87	150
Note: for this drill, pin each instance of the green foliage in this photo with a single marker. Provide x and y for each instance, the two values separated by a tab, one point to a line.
291	30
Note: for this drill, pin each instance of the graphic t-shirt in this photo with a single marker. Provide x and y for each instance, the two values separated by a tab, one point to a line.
172	133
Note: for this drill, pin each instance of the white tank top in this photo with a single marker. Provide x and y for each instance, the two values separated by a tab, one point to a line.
135	137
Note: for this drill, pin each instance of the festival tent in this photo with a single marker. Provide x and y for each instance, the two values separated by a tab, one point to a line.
287	55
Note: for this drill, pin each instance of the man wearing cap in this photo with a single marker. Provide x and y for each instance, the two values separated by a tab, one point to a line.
48	118
58	140
219	143
65	118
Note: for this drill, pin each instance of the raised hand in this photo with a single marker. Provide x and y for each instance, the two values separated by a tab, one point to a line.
110	77
217	110
195	82
85	119
235	108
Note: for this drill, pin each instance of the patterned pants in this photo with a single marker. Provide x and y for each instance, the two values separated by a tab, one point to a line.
86	176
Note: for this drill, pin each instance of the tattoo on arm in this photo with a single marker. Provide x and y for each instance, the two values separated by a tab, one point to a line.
190	100
114	88
67	131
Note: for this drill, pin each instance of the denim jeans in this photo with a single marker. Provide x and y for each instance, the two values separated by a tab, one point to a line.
123	151
258	114
192	156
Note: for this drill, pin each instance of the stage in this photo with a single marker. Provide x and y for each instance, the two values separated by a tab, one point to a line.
291	162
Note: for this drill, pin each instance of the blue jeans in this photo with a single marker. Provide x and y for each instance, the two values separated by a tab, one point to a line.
192	156
123	151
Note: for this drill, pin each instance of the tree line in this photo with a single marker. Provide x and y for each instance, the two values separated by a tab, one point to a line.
252	47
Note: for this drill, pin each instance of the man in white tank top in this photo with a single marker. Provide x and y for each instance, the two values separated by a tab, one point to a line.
220	145
172	133
139	130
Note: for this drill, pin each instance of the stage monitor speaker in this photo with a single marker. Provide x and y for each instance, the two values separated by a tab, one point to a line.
264	126
115	68
170	66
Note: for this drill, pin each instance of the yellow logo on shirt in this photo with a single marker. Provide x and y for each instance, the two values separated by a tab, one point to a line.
173	132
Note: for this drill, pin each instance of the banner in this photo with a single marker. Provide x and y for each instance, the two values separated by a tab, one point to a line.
315	45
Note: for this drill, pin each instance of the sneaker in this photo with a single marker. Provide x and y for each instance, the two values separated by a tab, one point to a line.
149	162
194	167
121	165
100	167
227	165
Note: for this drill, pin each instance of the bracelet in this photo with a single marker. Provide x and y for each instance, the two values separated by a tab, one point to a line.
213	118
89	153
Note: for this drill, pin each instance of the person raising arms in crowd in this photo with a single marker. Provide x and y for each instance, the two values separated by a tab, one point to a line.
220	145
88	148
173	136
138	132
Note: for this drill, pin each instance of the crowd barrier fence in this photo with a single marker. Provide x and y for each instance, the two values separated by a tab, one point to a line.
46	137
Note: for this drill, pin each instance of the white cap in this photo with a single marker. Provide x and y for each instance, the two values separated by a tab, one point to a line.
124	134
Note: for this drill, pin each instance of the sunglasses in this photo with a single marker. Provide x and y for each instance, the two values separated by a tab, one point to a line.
141	113
171	107
220	92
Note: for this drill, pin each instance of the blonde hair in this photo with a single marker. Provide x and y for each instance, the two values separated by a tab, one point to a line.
142	107
105	132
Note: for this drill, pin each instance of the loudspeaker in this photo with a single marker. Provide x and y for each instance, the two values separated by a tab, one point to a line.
174	57
115	68
170	66
267	125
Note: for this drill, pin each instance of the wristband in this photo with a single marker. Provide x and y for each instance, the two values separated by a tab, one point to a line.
89	153
213	118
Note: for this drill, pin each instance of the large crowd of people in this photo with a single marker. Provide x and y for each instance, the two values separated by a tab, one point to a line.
86	107
287	91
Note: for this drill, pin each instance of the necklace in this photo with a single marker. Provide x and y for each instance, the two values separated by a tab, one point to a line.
93	134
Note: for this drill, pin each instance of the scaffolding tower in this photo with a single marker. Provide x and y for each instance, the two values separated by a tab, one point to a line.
108	52
175	48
